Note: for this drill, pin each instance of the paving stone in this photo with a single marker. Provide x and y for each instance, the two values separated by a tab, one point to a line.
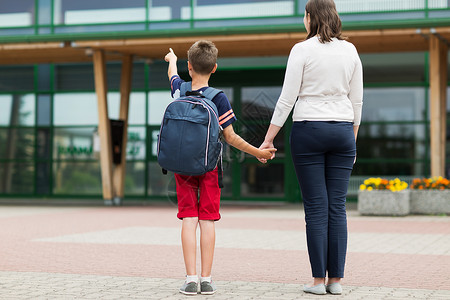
135	253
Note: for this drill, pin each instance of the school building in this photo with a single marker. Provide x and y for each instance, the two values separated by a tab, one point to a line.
75	75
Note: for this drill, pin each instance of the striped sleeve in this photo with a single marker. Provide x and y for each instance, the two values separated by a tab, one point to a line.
226	117
226	114
175	83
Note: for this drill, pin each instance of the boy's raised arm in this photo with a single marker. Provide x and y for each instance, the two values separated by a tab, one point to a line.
171	58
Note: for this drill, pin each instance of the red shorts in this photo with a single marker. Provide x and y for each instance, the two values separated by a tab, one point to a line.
190	204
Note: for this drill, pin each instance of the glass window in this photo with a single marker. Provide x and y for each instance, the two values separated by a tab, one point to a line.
43	143
397	141
135	178
73	143
44	30
136	146
70	12
301	6
45	12
154	135
391	143
254	134
81	108
394	104
75	109
114	73
389	168
157	74
138	79
168	25
5	113
258	103
43	178
77	178
368	6
43	110
246	22
16	13
16	178
263	180
233	63
227	190
163	10
158	101
14	79
217	9
448	99
74	77
16	143
394	67
100	28
17	110
16	31
160	184
43	77
136	109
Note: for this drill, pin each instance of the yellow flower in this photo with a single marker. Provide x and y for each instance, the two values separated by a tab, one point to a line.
378	183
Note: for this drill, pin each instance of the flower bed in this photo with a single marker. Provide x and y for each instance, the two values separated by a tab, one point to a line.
430	196
383	197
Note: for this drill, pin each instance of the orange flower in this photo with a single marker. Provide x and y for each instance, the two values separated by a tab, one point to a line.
434	183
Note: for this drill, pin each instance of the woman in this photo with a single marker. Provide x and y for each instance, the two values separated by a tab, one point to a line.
323	83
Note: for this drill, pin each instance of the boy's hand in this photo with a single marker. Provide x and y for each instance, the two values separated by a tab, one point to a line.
267	146
170	56
266	154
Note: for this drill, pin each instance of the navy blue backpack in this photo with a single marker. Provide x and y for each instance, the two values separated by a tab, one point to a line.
188	141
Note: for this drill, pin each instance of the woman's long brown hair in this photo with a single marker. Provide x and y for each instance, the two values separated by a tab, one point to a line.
325	21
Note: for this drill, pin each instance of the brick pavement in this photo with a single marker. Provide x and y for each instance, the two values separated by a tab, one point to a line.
135	253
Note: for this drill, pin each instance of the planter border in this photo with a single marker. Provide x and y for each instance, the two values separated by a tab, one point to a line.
384	203
430	202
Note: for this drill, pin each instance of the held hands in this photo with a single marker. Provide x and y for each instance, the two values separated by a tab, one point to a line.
267	147
266	154
170	56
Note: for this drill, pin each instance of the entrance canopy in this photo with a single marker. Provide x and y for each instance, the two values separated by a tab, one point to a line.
236	45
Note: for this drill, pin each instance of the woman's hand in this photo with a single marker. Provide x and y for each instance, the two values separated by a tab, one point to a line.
266	154
267	145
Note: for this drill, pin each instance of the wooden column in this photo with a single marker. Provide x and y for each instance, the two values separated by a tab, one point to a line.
125	88
104	126
438	107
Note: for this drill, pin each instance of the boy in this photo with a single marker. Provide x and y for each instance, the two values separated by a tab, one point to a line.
204	211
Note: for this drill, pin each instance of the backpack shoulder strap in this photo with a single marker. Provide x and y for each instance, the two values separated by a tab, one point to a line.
185	86
210	93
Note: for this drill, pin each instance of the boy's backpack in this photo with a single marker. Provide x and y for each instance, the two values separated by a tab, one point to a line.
188	141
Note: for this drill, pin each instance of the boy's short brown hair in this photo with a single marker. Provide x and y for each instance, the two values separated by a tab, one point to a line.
203	56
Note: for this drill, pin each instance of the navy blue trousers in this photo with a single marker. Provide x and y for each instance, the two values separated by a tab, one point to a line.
323	155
